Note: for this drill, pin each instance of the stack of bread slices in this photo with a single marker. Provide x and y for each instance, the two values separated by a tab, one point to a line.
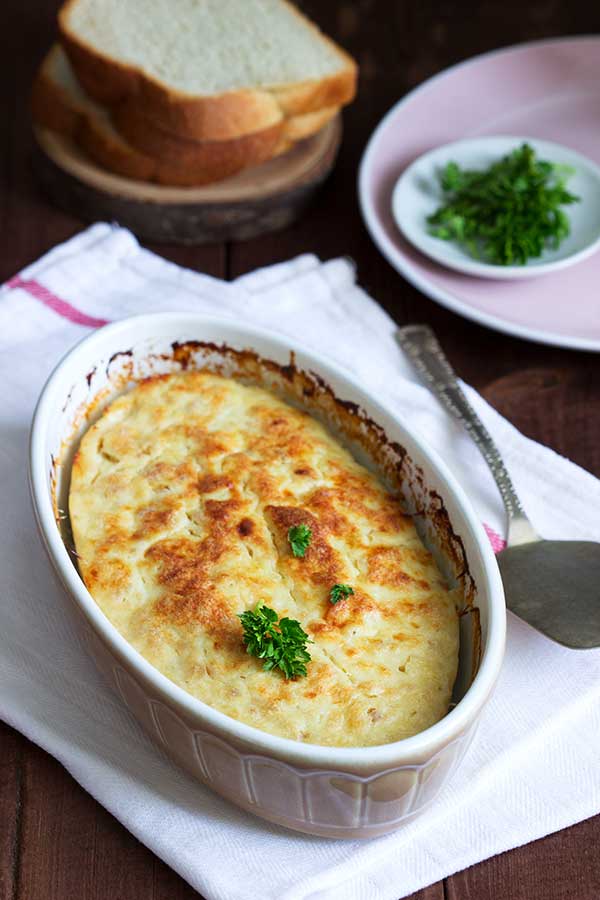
189	92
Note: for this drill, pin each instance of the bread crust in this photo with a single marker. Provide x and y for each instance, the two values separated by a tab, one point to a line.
211	117
53	108
297	128
248	149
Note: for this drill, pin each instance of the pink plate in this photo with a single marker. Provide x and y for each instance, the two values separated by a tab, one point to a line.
548	90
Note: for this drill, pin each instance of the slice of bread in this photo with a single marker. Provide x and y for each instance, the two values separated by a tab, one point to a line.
59	103
143	133
206	69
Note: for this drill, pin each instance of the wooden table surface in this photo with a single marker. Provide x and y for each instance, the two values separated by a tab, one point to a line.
56	842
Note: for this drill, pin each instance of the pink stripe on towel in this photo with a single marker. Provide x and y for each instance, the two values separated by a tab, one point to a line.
56	304
496	541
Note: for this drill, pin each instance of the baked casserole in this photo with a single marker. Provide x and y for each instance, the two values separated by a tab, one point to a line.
183	496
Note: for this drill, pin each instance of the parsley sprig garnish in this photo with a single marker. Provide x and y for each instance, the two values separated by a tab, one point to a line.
282	644
299	538
338	592
507	213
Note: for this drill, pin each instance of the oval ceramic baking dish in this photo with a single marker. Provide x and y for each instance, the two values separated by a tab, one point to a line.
338	792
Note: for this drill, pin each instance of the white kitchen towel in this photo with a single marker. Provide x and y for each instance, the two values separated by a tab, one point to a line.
534	766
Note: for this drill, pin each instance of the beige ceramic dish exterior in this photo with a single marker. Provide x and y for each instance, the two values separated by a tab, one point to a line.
337	792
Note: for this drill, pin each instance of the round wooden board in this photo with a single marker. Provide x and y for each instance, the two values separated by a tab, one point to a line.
258	200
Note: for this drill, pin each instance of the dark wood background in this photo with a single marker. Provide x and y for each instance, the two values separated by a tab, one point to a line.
56	842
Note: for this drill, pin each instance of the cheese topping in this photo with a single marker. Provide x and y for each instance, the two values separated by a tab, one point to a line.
182	496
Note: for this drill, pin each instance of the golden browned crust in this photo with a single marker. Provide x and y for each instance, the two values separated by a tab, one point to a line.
241	152
182	496
297	128
311	96
246	150
218	117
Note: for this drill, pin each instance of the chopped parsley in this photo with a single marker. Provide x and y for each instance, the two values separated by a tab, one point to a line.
507	213
282	644
299	537
338	592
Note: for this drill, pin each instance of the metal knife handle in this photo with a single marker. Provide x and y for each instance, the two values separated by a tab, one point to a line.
422	347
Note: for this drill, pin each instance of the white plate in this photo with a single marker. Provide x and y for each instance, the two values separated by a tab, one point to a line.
418	194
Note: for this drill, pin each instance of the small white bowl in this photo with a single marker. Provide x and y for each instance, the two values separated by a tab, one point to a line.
337	792
417	194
